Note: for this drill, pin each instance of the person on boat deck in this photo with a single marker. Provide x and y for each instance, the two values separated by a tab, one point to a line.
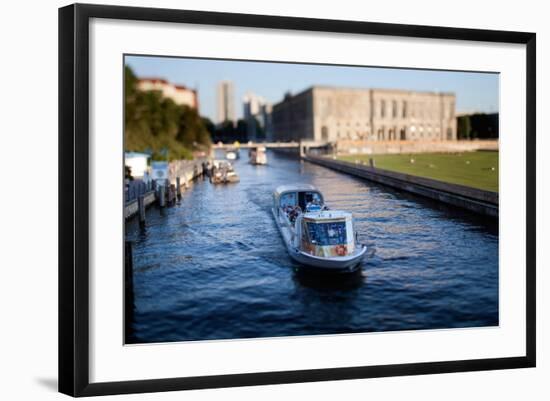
294	212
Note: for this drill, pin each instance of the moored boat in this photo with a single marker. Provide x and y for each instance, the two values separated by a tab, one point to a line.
231	176
223	173
314	235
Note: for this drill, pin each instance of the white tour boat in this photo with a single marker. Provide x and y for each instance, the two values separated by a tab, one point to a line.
257	155
314	235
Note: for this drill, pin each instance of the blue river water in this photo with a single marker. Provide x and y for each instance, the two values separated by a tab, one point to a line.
214	266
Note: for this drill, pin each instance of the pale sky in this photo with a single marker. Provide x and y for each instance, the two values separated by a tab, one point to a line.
475	91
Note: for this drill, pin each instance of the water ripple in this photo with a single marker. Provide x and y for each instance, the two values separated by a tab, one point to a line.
214	266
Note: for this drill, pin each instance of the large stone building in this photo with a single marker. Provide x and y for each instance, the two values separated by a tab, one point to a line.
330	114
180	94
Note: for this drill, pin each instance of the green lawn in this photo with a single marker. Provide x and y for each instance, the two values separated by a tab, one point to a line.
473	169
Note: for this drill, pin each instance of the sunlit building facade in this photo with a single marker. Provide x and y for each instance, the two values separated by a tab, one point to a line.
180	94
330	114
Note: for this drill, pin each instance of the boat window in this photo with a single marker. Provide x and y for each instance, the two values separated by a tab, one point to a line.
308	197
288	199
333	233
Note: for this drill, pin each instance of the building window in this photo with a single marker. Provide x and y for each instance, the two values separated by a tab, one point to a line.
382	108
324	133
404	109
451	110
394	108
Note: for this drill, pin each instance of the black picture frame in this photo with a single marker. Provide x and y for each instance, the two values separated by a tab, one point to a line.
74	198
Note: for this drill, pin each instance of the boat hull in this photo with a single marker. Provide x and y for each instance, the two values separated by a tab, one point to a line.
258	160
347	263
340	264
231	180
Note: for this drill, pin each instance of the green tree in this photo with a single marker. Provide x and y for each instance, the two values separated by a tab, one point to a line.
464	127
242	130
192	131
159	126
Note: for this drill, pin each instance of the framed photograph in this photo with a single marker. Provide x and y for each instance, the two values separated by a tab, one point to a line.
251	199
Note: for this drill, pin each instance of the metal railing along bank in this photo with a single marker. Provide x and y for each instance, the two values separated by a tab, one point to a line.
180	174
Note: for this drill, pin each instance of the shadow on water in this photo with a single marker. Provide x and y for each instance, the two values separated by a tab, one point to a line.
329	280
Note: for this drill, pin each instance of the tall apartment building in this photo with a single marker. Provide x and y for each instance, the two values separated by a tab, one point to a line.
257	114
225	102
330	113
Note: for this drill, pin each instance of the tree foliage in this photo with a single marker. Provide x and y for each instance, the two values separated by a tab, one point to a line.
478	126
464	127
229	132
157	125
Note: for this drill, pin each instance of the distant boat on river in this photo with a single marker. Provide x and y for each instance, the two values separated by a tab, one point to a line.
257	155
232	154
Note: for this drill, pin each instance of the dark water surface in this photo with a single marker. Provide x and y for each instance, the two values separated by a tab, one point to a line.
215	267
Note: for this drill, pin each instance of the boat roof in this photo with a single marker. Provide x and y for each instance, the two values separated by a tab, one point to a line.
327	215
295	188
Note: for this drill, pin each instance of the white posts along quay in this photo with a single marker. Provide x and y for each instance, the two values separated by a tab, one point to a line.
139	195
